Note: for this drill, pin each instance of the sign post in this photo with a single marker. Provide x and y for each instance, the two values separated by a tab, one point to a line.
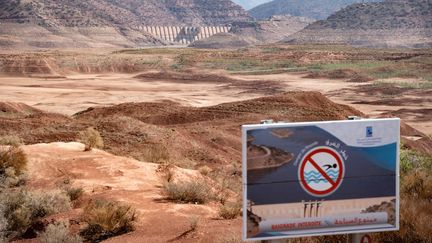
320	178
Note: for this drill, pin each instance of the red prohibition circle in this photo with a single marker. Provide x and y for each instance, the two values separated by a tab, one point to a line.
335	184
366	239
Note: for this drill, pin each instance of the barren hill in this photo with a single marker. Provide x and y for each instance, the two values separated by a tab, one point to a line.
103	22
315	9
388	23
247	33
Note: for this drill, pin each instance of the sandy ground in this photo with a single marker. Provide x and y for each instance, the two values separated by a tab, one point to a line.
78	92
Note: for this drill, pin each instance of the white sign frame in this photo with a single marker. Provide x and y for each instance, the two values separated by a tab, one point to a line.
347	230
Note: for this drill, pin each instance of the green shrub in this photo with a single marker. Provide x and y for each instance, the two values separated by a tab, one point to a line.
59	232
91	139
106	219
410	160
188	192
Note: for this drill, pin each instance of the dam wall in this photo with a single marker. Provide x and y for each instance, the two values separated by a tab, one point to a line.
183	35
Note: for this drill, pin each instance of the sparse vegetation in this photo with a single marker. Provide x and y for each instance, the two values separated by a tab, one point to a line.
23	209
59	232
156	153
13	162
11	140
91	138
193	225
74	193
195	191
230	210
205	170
416	195
12	157
106	219
166	171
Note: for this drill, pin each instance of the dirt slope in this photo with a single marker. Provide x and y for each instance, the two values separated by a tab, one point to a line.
103	175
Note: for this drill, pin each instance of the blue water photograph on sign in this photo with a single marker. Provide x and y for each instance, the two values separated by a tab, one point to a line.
329	177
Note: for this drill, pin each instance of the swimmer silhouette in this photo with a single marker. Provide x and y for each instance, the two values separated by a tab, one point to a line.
330	166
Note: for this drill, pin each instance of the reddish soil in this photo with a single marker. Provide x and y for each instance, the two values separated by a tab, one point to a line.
106	176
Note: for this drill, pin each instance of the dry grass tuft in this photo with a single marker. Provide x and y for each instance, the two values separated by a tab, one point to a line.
11	140
196	191
156	153
91	138
230	210
106	219
166	171
23	209
416	198
418	185
12	157
74	193
205	170
59	232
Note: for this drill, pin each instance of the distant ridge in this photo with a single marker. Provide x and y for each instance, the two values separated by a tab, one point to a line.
105	23
315	9
387	24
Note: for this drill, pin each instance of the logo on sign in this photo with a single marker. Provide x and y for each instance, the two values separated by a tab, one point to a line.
369	132
321	171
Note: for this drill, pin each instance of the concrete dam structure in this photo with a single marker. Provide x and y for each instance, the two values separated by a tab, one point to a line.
183	34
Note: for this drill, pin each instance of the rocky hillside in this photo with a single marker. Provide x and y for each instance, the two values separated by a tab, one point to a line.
105	22
247	33
315	9
390	14
121	12
388	23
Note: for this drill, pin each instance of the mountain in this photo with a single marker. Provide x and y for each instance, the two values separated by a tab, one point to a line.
391	23
242	34
315	9
248	4
105	22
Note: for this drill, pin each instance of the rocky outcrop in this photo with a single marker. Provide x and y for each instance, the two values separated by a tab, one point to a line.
105	23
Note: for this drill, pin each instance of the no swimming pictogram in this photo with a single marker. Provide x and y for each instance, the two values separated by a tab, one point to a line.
321	171
366	239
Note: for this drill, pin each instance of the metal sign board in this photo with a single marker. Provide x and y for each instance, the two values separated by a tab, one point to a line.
320	178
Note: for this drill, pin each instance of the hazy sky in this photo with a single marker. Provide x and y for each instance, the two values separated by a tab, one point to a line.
248	4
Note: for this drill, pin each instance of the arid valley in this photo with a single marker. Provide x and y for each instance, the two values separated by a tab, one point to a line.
173	114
